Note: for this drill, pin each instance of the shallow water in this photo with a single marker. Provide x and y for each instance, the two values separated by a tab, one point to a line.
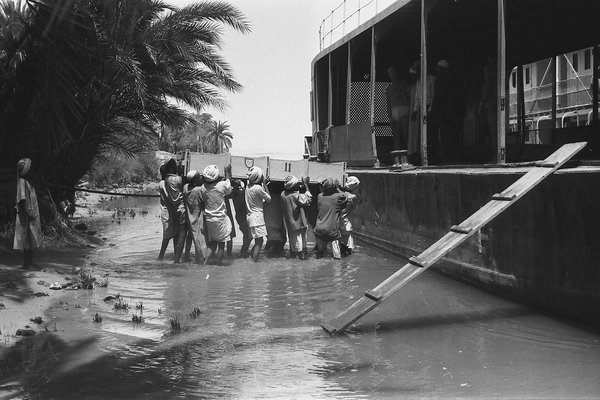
259	334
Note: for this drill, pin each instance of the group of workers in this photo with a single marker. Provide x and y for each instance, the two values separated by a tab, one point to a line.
198	212
445	102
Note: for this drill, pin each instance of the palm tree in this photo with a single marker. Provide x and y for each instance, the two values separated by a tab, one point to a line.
79	78
218	137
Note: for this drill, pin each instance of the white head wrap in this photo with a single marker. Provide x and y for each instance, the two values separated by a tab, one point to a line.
211	173
290	182
255	174
352	183
191	175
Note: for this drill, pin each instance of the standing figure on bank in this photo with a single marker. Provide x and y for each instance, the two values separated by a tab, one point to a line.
293	203
447	115
218	224
415	123
330	203
194	207
257	193
398	105
28	229
346	240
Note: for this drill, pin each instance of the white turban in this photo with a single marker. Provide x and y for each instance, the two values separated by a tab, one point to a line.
211	173
290	182
255	174
191	175
23	166
352	183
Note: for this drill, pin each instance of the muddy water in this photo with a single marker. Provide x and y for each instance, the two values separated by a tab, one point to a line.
258	334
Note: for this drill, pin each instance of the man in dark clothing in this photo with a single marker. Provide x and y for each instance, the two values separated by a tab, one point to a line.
446	116
238	196
330	203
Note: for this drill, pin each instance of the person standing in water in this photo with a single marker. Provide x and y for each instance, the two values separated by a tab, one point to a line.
218	224
194	206
293	203
238	195
330	204
257	193
171	195
346	240
28	229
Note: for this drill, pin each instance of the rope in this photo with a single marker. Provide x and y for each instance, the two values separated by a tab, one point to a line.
101	191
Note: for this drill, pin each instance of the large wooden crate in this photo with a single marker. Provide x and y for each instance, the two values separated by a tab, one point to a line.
280	169
240	165
199	161
318	171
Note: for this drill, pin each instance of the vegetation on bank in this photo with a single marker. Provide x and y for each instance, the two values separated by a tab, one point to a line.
81	79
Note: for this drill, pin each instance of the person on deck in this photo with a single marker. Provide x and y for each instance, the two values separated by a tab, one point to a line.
346	240
238	195
257	193
446	116
293	203
218	224
398	105
28	229
415	123
330	204
194	206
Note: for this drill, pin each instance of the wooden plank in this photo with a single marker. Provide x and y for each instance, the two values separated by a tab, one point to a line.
280	169
450	241
199	161
240	165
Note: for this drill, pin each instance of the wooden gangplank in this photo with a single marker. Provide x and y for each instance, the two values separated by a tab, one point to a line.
457	235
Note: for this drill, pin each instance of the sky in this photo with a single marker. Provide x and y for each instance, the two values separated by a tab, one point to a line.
271	115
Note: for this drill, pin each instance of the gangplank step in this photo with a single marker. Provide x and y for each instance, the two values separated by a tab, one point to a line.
457	235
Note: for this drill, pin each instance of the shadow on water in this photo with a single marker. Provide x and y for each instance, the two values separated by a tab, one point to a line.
446	319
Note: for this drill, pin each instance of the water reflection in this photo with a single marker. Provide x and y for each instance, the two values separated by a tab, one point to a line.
258	335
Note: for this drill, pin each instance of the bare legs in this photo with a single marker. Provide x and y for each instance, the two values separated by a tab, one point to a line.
258	242
218	248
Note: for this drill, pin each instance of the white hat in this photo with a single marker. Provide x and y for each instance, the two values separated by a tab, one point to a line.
352	183
191	174
443	64
290	182
211	173
255	174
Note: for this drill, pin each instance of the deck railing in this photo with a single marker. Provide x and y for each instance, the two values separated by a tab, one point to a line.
347	16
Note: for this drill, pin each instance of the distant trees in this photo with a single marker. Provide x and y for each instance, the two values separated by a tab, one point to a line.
202	135
79	78
218	138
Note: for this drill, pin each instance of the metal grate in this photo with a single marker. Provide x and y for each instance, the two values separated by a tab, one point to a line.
359	101
381	102
384	130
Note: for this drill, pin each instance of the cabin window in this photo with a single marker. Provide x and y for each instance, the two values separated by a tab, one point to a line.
527	75
587	59
513	78
575	62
